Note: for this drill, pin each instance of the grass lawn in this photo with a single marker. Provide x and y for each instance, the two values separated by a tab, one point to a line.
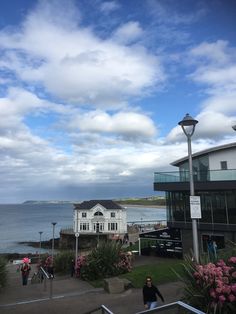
161	272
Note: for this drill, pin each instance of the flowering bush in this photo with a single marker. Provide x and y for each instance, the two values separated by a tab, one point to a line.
81	261
104	261
212	287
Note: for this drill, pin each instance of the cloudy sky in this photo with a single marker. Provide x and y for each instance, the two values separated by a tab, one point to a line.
91	92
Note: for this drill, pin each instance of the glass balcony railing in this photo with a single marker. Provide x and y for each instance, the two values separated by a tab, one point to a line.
203	176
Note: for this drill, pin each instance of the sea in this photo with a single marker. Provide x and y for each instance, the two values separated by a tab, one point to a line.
23	222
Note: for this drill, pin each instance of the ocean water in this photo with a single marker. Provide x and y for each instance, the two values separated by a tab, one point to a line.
22	222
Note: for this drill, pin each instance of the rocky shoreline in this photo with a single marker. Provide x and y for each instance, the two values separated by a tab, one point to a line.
44	244
35	244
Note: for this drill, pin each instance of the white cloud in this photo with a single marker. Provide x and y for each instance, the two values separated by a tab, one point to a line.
216	66
128	33
126	124
109	6
75	65
214	52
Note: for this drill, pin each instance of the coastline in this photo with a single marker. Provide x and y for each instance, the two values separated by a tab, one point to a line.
144	206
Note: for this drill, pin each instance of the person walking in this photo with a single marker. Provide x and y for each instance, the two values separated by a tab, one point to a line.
25	270
150	293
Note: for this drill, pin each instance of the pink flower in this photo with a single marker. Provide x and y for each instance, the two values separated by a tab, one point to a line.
219	289
231	298
226	289
234	274
222	298
233	288
221	263
232	259
225	280
213	293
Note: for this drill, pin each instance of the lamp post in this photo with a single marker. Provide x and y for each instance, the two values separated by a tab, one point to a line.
53	236
188	126
97	230
76	238
40	244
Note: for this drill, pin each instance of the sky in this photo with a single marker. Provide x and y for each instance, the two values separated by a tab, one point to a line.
91	93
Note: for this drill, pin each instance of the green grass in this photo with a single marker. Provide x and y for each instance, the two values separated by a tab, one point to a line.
162	272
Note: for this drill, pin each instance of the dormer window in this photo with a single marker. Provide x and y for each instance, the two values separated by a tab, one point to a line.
98	214
84	215
113	214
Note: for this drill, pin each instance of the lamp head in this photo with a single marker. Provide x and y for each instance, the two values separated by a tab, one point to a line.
234	127
188	125
188	121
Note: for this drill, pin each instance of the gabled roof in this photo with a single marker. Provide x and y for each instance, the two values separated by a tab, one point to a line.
204	152
108	204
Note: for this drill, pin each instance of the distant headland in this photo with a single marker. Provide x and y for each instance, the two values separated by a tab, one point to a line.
144	201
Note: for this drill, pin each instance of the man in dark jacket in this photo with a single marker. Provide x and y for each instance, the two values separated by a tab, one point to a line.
150	293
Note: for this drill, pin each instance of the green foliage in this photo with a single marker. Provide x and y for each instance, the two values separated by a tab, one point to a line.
106	260
3	272
62	261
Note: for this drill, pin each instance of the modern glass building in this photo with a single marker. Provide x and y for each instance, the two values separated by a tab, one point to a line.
214	172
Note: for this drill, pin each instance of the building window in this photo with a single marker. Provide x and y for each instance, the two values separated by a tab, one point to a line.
98	227
84	226
113	215
84	215
98	214
223	165
112	226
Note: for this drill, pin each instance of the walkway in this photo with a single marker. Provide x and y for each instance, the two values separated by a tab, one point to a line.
75	296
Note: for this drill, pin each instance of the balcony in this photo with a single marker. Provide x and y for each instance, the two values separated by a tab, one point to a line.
204	180
183	176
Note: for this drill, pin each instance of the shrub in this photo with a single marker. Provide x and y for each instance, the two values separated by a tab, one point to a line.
62	262
104	261
211	287
3	272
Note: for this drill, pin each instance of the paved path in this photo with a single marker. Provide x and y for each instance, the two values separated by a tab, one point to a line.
75	296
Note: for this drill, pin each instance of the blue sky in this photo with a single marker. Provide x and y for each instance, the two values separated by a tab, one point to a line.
91	92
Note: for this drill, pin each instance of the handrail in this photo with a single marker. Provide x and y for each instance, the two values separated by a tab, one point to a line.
105	310
45	274
178	304
49	277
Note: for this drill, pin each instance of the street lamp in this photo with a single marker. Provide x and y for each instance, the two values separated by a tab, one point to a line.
76	237
188	126
40	244
97	230
53	236
234	127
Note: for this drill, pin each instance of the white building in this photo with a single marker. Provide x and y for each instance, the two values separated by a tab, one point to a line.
99	216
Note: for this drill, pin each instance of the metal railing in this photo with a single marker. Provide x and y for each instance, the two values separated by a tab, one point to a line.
47	276
198	176
178	307
100	310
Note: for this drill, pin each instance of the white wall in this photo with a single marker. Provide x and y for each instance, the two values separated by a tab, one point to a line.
228	155
120	219
215	159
